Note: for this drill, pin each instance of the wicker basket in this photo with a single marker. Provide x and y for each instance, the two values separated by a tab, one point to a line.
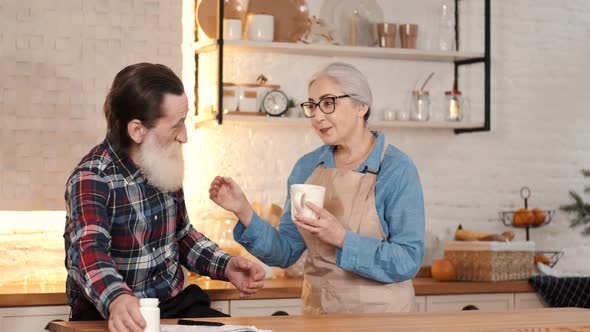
491	261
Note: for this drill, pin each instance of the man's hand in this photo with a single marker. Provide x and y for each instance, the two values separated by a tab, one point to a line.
225	192
247	276
125	315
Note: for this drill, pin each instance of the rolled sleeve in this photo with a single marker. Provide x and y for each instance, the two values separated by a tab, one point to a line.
273	247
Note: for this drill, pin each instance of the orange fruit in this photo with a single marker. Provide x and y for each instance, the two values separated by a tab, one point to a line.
523	218
543	259
540	216
443	270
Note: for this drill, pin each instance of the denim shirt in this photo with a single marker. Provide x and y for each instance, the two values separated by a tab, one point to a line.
400	207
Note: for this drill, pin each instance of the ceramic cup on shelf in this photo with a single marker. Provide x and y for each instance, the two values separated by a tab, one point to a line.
408	34
389	114
386	34
402	115
260	27
232	29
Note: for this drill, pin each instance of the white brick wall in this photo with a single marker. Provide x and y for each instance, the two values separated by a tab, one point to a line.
57	59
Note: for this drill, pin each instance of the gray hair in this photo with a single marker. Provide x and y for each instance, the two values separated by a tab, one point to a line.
351	81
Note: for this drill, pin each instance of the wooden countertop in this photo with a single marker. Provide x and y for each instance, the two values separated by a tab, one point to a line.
538	320
35	294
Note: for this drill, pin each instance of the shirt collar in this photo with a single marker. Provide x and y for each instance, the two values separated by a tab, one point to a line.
122	160
372	162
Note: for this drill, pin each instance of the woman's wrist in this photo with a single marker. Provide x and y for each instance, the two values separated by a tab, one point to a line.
245	216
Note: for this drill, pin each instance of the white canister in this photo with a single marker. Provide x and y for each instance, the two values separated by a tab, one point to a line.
260	27
231	95
232	29
248	99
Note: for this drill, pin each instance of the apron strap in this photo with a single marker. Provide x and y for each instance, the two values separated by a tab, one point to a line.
373	171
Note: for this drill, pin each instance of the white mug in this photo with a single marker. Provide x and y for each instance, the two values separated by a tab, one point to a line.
303	193
232	29
260	27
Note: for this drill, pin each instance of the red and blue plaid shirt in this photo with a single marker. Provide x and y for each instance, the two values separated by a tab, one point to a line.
124	236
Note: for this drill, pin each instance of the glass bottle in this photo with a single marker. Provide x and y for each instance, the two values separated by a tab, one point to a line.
420	105
446	28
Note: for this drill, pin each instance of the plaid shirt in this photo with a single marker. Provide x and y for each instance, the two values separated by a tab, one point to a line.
124	236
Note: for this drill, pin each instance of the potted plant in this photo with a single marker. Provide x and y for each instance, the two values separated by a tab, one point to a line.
293	110
579	209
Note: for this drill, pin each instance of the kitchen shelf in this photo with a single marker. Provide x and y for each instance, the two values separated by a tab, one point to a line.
303	122
457	58
337	50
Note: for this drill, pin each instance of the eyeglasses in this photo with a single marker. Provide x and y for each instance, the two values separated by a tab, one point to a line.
327	105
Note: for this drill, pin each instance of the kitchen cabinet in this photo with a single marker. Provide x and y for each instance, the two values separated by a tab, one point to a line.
31	319
528	301
259	307
222	306
457	58
419	304
497	302
244	308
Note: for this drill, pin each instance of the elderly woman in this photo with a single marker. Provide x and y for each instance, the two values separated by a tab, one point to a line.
368	241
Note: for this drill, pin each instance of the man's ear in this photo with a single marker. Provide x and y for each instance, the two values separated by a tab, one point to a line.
136	131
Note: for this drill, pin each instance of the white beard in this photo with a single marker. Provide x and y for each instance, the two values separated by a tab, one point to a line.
162	166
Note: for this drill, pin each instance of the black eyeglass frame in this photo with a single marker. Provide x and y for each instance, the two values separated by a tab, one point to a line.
302	105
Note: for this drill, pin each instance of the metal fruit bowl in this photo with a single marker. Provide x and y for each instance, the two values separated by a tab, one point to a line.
553	256
507	218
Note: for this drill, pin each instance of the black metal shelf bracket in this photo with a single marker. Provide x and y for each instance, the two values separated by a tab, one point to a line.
220	11
487	62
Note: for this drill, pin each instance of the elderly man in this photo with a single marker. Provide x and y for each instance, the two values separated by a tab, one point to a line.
127	231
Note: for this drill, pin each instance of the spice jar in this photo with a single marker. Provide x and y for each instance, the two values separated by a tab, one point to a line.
420	105
453	105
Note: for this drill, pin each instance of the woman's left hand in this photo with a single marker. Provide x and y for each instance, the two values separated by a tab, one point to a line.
326	228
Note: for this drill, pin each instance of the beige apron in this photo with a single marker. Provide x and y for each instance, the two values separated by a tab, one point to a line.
350	197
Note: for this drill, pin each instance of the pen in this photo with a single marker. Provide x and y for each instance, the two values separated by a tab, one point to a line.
198	322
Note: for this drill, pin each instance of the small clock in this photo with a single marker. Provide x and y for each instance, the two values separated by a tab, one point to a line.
275	103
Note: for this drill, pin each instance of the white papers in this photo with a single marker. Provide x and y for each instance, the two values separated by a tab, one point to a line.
201	328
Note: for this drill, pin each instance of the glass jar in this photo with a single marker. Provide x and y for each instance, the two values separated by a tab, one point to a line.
420	105
453	105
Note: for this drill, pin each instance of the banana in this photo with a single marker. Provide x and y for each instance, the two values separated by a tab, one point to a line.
463	235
